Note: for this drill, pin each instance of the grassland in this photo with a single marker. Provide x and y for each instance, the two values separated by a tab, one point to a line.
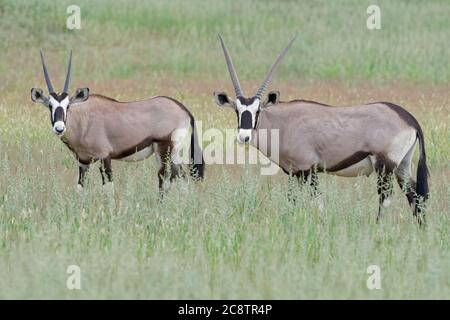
235	235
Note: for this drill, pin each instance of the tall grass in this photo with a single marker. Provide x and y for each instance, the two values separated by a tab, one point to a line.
235	235
243	239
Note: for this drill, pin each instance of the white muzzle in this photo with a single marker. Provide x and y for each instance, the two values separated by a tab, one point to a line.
59	127
244	135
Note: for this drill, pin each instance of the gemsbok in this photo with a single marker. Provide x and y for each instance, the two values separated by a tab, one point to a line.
345	141
95	127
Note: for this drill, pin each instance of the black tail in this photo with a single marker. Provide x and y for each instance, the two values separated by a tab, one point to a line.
422	170
197	161
422	190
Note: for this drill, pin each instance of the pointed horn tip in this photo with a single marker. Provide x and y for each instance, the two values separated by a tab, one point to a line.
68	75
292	40
222	42
266	82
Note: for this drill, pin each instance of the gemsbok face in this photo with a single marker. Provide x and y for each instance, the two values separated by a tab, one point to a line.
58	103
248	108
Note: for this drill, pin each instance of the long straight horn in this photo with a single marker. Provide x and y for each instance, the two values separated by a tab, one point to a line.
233	75
272	70
69	71
47	78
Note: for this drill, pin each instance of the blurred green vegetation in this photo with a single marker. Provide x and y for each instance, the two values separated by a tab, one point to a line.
179	38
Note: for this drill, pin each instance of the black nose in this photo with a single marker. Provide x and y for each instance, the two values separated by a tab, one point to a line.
246	139
59	130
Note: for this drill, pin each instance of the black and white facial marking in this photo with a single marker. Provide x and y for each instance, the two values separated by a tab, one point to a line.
247	110
59	105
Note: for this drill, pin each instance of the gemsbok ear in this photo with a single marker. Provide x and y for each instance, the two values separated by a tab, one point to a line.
222	100
273	97
81	95
37	95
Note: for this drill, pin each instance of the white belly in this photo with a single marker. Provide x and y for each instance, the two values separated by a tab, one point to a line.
140	155
364	167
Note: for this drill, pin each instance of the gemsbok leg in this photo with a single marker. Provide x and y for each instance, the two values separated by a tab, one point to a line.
82	170
408	184
303	176
168	170
106	171
384	188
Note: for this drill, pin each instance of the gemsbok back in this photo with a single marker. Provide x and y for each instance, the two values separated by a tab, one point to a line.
345	141
95	127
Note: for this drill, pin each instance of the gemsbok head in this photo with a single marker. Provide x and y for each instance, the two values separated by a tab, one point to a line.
97	128
248	108
58	103
347	141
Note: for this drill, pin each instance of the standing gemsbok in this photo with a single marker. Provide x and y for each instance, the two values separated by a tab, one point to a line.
346	141
95	127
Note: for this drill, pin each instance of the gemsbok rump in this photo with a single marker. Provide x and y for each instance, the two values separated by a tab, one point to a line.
95	127
345	141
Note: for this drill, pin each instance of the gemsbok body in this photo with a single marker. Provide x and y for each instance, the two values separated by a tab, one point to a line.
98	128
346	141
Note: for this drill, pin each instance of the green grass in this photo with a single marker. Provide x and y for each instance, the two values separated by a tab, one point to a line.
235	235
216	240
178	39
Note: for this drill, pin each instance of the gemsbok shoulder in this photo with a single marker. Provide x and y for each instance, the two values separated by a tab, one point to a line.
98	128
347	141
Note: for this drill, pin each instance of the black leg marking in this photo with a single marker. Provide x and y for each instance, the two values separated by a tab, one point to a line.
415	201
106	170
82	170
102	173
409	188
313	180
303	176
168	170
384	167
